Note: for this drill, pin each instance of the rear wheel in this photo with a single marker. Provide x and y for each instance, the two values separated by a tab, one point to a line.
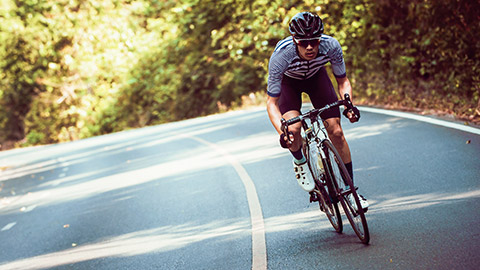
344	188
324	200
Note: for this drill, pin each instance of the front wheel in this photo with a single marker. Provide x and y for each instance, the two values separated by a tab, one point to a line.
344	188
329	207
324	199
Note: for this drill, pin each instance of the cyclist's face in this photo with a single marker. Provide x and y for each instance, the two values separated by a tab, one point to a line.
309	52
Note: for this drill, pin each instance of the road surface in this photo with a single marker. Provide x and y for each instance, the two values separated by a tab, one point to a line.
218	193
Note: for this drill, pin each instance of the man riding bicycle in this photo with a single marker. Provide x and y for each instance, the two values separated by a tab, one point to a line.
296	66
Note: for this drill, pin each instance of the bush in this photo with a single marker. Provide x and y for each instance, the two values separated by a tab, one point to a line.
75	69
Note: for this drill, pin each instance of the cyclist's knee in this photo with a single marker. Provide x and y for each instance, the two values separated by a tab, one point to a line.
334	128
336	133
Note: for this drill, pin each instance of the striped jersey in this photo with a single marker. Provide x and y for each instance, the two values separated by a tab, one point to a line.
285	60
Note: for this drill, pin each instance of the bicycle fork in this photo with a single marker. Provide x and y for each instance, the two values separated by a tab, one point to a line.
327	174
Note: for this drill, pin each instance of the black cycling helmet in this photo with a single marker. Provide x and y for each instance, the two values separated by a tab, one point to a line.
306	25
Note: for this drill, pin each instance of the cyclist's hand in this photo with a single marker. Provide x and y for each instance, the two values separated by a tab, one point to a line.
353	114
286	142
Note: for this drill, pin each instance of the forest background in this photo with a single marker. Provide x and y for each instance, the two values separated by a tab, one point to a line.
72	69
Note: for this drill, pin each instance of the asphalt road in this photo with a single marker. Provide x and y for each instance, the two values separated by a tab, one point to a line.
218	193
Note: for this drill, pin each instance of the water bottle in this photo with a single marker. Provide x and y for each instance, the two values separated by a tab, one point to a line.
314	156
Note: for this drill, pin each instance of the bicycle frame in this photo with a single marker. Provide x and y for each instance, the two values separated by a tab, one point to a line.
333	171
312	132
316	126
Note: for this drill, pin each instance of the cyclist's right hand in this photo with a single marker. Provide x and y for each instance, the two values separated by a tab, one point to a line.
285	141
286	138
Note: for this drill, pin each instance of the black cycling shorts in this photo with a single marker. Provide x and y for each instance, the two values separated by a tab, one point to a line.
318	87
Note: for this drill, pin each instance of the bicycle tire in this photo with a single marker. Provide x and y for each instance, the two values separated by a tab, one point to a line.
330	208
344	186
325	202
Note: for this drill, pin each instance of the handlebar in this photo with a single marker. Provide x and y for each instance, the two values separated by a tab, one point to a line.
315	112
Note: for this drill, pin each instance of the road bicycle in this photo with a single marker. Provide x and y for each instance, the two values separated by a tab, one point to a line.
333	183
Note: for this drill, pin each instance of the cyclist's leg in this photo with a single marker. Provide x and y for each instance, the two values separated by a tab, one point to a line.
335	133
295	129
321	93
290	102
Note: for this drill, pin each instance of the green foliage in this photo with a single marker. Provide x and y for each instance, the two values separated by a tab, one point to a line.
27	53
420	54
72	69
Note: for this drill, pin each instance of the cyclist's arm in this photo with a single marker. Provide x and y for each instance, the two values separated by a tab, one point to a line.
338	66
344	87
274	113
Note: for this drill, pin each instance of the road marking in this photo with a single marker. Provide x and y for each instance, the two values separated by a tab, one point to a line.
423	119
259	247
8	226
28	209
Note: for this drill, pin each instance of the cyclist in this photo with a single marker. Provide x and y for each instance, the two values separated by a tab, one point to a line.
296	66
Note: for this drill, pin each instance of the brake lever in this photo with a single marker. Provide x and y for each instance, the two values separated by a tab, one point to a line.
285	130
348	101
350	108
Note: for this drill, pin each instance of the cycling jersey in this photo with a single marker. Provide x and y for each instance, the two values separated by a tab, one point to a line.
286	61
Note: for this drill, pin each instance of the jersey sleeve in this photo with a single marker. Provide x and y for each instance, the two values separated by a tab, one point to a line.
277	65
336	59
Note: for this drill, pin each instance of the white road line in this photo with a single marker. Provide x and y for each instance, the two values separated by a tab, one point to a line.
8	226
28	209
259	247
422	119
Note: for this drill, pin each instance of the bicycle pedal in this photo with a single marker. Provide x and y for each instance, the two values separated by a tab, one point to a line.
313	197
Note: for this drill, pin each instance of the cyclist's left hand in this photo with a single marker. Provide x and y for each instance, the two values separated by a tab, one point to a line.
353	114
